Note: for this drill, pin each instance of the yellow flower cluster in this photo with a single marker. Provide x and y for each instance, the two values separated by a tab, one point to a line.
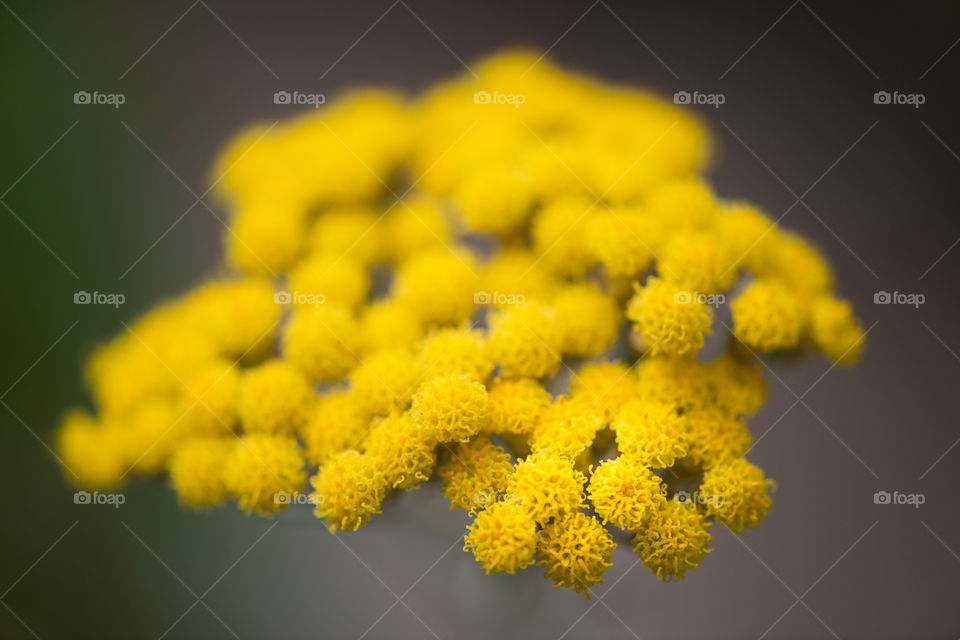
520	326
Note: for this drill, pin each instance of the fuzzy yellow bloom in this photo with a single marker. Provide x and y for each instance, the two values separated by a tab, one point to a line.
566	428
514	405
338	423
404	453
449	350
622	240
699	263
94	456
798	265
625	492
348	489
475	475
197	471
274	398
670	320
608	385
495	198
714	437
575	551
211	396
737	387
547	486
350	232
439	285
674	541
262	468
387	324
739	492
503	537
686	204
451	407
323	279
523	340
767	316
238	316
587	320
651	432
835	329
321	343
557	235
748	233
264	238
412	226
386	379
152	432
514	276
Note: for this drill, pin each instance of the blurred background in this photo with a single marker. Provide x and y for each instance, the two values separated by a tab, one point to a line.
105	198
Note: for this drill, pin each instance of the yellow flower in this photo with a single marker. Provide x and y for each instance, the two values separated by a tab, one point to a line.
625	492
348	490
674	540
575	551
264	239
523	340
767	316
94	455
738	494
566	428
503	537
622	239
438	285
322	279
385	324
608	385
338	423
197	471
385	379
670	320
547	486
514	405
262	469
449	350
274	398
835	329
352	232
587	320
450	407
475	475
321	343
651	432
403	452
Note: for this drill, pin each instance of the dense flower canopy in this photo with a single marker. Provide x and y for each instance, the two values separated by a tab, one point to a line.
511	284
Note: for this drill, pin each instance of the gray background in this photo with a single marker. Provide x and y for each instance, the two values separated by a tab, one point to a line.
879	191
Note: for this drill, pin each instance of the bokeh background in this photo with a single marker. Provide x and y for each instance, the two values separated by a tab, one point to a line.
102	198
